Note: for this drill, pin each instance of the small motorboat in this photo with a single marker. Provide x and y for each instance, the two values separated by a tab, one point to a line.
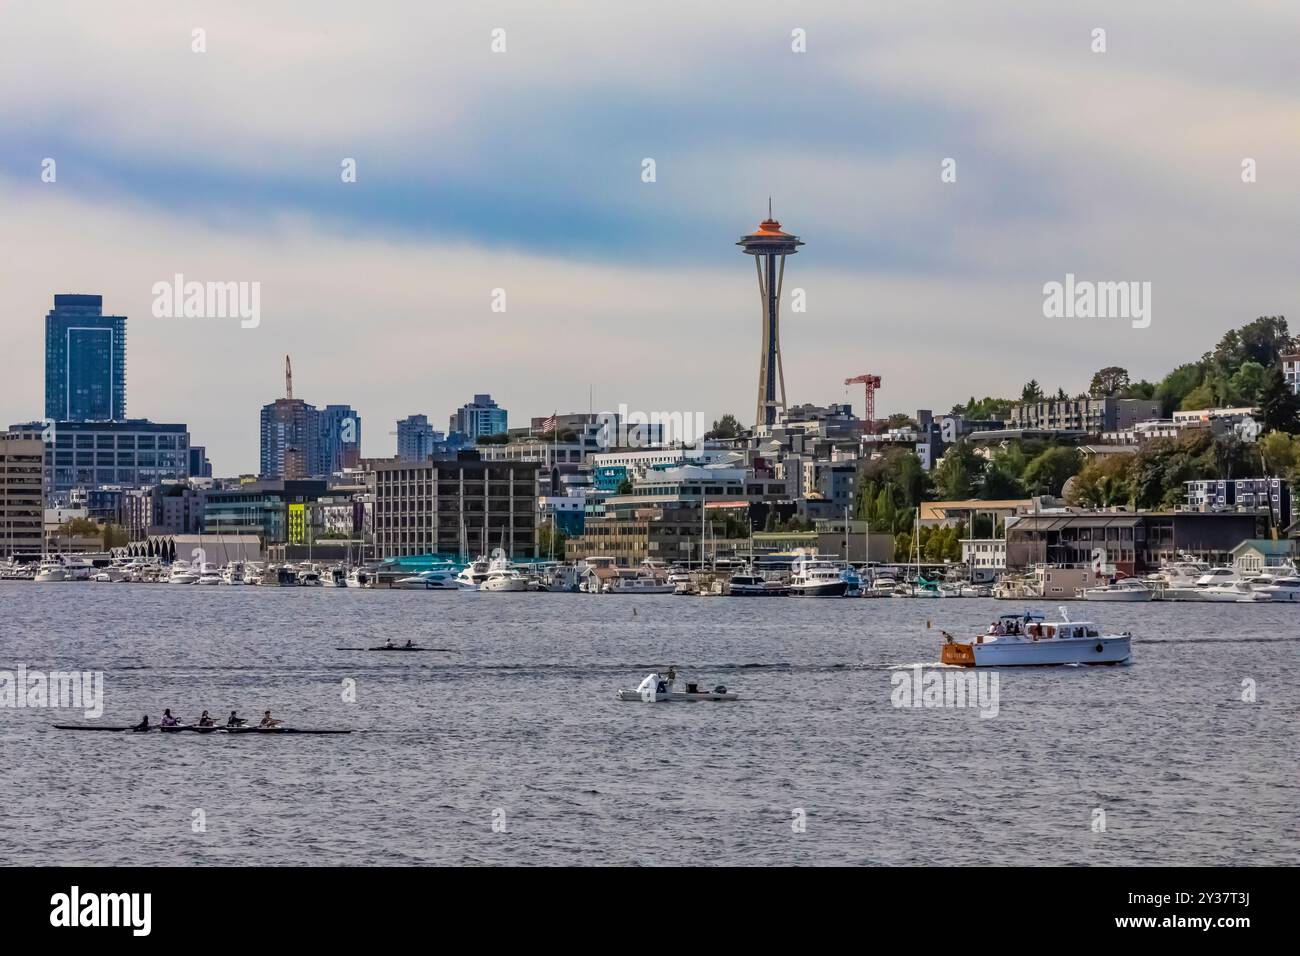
657	689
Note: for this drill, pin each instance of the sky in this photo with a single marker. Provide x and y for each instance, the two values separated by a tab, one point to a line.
522	170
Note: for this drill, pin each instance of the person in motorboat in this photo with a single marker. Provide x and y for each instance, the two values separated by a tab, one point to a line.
235	720
143	725
168	720
268	721
672	674
997	629
206	721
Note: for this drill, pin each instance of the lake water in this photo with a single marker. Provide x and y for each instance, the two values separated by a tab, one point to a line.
510	748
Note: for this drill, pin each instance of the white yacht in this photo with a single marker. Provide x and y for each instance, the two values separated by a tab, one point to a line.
504	579
1176	580
308	578
233	573
359	578
474	573
335	577
437	579
182	573
209	574
1127	589
1021	640
1280	586
48	572
814	578
639	584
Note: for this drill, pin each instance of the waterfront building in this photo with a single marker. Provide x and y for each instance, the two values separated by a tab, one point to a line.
1271	496
1090	415
636	463
985	557
416	438
630	533
275	509
85	361
22	495
457	506
168	508
1132	543
478	418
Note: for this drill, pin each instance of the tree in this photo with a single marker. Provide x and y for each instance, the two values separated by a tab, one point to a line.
80	528
1175	386
1280	452
725	427
956	473
998	483
911	479
1246	384
1278	405
1032	392
1049	471
1109	381
899	420
114	536
624	487
1104	482
550	540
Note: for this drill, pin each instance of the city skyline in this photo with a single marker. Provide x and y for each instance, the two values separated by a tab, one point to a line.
1117	166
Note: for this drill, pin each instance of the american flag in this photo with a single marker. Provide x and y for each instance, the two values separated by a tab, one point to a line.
549	424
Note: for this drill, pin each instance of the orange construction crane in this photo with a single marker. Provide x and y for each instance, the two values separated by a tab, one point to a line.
872	382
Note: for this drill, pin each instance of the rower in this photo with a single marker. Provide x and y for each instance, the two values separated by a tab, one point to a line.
389	645
168	720
235	720
205	720
268	721
143	725
408	644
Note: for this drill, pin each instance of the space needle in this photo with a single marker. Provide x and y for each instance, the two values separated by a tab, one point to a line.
769	246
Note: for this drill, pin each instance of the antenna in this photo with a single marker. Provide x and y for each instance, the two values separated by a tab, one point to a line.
288	378
769	207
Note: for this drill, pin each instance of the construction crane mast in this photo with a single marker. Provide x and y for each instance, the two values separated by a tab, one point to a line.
871	382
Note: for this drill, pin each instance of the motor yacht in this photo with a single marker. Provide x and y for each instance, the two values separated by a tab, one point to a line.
1281	587
748	584
233	573
49	572
1127	589
815	578
1020	640
359	578
308	578
475	573
209	574
504	579
182	573
437	579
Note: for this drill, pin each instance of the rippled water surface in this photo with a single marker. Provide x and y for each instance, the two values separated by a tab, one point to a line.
516	725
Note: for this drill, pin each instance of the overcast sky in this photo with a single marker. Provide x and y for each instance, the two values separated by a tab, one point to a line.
522	170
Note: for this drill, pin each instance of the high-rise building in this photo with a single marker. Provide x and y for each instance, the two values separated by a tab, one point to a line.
290	439
85	361
769	246
478	418
22	497
416	438
301	441
340	439
200	467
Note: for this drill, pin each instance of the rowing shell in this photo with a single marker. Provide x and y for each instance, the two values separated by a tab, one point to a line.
392	648
204	730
